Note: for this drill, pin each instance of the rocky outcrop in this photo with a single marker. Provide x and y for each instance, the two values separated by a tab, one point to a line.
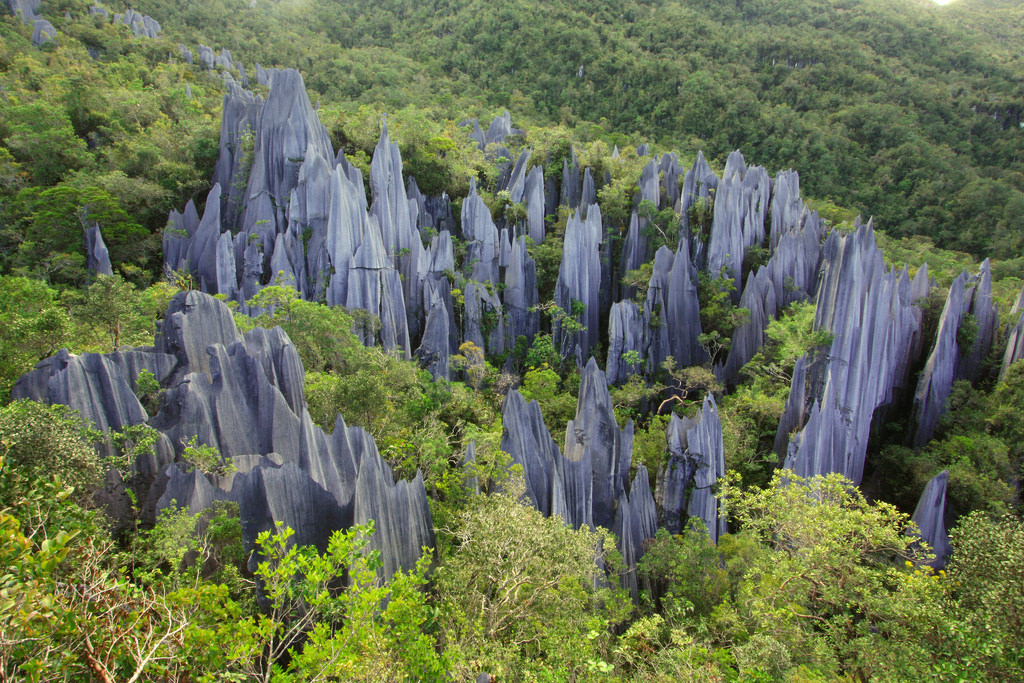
873	320
930	518
948	361
577	292
741	209
590	484
555	484
96	253
694	464
594	436
242	395
1014	338
672	299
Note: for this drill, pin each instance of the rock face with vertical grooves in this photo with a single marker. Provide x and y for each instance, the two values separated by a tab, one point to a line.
930	518
869	312
671	315
741	206
1015	337
520	296
556	485
579	282
949	362
97	255
589	485
594	436
243	395
695	462
625	334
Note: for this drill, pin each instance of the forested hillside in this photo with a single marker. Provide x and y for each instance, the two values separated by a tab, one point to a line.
638	341
889	107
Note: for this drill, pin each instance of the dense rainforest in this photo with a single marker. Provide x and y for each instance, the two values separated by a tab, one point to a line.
292	336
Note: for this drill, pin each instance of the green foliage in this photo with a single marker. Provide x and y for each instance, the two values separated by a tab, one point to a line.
686	571
987	605
207	459
719	314
543	385
787	338
46	443
831	592
517	596
32	326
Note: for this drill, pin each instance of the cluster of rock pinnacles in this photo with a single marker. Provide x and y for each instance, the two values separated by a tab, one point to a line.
290	210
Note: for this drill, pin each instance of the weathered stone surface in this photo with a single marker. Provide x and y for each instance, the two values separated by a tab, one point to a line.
434	351
759	299
948	362
625	334
930	518
579	280
741	207
141	25
671	316
26	8
43	32
594	436
97	255
520	295
533	195
481	235
636	521
872	319
243	396
695	462
1015	337
556	485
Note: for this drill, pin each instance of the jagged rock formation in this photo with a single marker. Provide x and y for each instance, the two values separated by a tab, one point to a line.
589	485
741	207
97	255
930	518
873	320
671	316
579	281
949	362
695	462
141	25
242	395
1015	337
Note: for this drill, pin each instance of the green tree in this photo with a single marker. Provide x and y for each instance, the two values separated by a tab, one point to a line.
518	596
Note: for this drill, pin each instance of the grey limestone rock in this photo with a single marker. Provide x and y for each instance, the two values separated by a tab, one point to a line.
555	485
671	316
695	462
930	518
636	521
625	334
481	235
98	257
239	114
26	8
741	207
520	295
759	299
433	352
206	58
1015	337
288	132
43	32
594	436
579	282
869	312
947	361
